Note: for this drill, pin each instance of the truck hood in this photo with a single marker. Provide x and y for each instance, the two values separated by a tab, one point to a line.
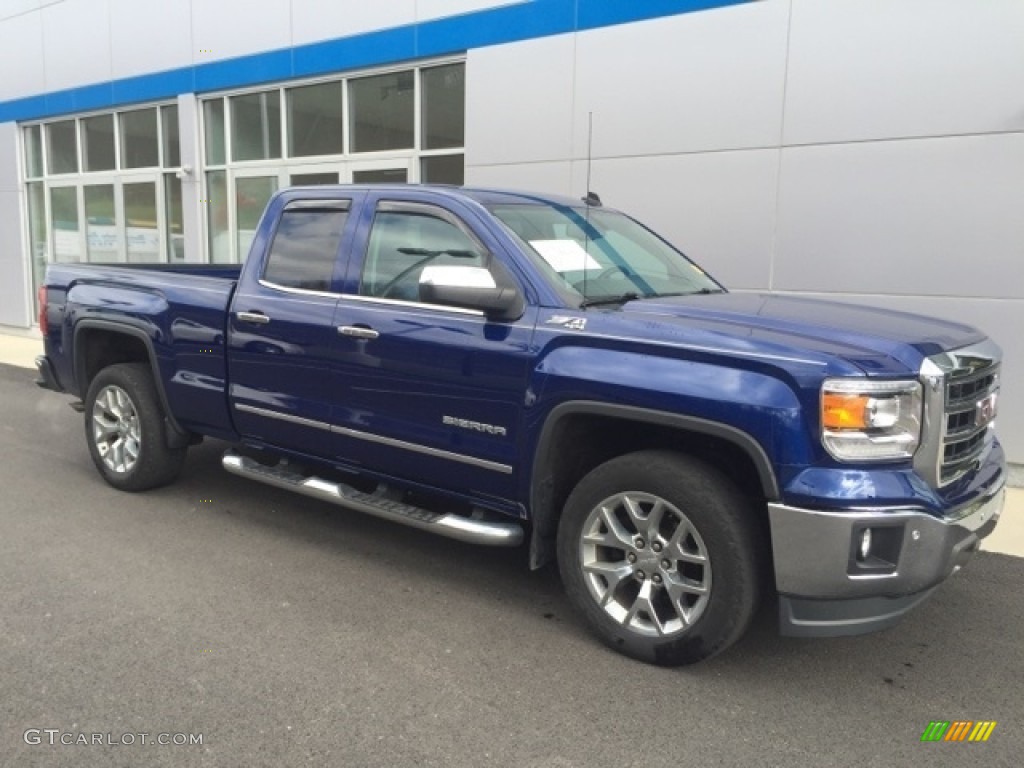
878	341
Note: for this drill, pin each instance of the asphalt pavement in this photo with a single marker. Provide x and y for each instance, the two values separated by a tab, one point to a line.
288	632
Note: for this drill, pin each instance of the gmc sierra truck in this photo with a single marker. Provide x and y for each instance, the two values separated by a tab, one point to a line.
498	367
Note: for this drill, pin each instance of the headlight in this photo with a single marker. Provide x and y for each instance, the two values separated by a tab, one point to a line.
864	420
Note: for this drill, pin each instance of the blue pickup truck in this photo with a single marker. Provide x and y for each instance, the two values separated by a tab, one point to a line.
497	367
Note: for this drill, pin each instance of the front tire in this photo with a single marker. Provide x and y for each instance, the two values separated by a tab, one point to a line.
658	551
126	431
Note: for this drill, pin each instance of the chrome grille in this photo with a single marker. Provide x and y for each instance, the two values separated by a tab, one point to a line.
956	431
963	438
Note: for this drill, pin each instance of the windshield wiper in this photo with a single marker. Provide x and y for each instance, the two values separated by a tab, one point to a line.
622	298
701	292
599	301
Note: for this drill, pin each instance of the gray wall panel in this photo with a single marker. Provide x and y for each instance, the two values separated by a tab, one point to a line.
14	290
871	69
217	26
549	177
941	217
76	41
717	207
517	113
314	20
9	161
15	309
151	35
21	52
702	81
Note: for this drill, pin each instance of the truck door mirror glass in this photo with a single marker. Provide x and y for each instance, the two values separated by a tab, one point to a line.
470	288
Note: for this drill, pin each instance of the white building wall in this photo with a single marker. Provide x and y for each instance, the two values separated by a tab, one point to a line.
14	284
854	150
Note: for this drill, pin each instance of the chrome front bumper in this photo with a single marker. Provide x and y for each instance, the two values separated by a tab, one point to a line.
824	589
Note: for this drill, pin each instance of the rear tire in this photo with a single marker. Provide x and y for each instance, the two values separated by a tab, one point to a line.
659	553
126	431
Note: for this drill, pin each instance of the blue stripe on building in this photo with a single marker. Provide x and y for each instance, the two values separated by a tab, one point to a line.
437	37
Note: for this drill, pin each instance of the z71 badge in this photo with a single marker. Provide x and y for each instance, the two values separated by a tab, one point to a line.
474	426
572	323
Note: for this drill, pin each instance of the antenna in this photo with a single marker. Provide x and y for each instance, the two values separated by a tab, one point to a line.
587	201
590	147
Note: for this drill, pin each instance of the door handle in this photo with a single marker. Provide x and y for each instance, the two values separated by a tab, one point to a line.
358	332
253	317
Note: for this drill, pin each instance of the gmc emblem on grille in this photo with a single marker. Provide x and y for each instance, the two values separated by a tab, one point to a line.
985	410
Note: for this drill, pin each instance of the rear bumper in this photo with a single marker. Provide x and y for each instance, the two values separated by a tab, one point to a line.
827	587
47	376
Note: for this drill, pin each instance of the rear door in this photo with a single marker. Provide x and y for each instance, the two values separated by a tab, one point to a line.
281	332
427	392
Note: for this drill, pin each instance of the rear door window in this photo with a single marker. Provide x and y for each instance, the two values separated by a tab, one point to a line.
304	251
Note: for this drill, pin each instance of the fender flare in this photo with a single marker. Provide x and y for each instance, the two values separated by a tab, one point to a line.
177	437
541	548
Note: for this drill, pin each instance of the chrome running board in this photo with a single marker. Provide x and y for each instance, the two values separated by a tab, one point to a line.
473	531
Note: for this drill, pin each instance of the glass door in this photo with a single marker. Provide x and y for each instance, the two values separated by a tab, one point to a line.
253	190
66	224
103	216
143	220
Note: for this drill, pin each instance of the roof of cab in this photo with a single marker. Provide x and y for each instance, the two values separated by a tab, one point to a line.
481	195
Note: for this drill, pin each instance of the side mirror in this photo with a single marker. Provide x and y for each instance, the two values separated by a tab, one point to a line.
470	288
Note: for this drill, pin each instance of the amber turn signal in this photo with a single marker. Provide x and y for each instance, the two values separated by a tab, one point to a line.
843	411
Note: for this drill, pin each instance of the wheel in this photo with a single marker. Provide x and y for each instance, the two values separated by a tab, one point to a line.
124	427
658	551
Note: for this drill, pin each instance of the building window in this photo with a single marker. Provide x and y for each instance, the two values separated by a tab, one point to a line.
140	144
213	122
402	126
102	229
98	143
444	107
316	124
104	188
142	231
251	195
34	152
382	112
67	236
61	147
443	169
256	126
38	232
171	141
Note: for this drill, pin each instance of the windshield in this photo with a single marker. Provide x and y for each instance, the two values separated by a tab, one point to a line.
598	256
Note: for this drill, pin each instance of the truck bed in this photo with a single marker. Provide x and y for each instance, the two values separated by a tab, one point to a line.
180	310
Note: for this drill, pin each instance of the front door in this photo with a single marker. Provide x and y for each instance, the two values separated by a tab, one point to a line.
426	392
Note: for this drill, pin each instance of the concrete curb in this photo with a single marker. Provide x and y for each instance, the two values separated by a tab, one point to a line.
20	350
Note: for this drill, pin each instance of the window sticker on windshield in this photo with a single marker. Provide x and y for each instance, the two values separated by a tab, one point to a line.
564	255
